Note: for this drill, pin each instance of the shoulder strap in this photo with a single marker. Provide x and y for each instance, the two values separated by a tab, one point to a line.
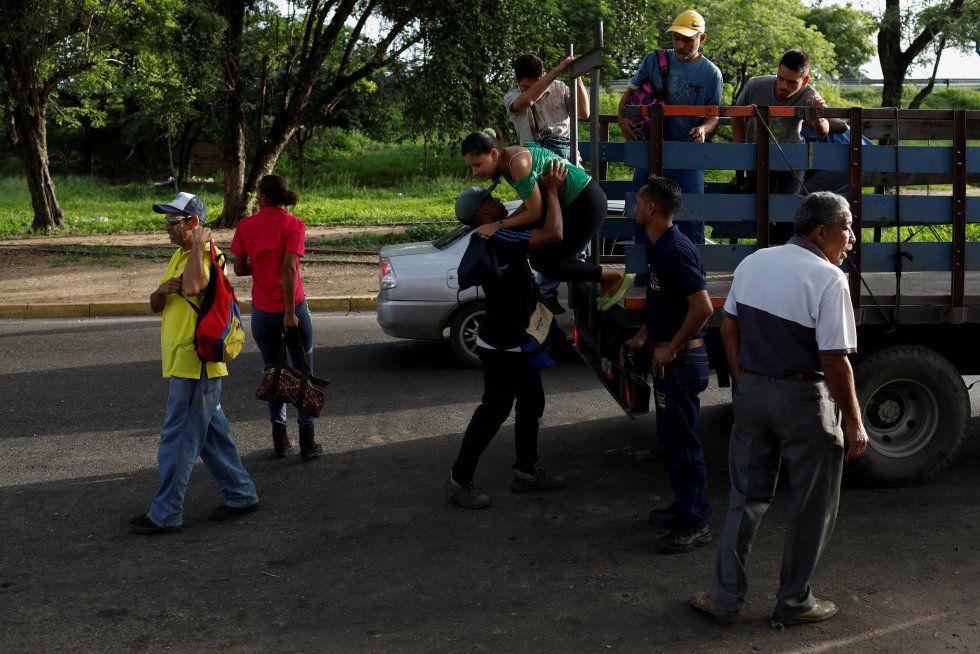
664	68
510	164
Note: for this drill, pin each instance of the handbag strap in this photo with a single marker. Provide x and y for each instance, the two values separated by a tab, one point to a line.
294	333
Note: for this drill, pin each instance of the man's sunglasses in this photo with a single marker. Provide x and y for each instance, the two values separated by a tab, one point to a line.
175	219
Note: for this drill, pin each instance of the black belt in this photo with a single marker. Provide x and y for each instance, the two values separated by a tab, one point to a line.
797	376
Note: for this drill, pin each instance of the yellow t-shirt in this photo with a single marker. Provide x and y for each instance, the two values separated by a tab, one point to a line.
177	329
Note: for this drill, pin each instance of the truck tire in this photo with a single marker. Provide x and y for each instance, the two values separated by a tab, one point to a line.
916	411
462	333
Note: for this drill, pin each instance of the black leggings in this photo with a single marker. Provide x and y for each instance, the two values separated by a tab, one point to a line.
582	219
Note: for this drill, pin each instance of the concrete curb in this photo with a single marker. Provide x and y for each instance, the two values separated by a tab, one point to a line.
344	304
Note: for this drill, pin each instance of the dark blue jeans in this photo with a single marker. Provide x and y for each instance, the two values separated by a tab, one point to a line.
678	413
268	334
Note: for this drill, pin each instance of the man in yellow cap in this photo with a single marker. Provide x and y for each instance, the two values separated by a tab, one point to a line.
691	79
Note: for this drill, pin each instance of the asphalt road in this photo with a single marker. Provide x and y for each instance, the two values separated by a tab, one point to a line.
359	551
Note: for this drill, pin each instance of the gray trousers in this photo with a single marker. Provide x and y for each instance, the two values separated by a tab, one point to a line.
795	423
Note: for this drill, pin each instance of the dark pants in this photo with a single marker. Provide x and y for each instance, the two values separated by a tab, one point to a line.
506	377
582	219
268	333
678	413
780	422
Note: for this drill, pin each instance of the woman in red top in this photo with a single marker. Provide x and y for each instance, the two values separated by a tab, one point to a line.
267	247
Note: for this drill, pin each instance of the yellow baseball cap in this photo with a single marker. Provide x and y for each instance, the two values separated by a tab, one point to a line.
688	23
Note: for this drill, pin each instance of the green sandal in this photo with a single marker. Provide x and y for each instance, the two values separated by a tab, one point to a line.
604	303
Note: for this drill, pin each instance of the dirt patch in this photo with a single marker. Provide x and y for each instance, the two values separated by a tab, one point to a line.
129	268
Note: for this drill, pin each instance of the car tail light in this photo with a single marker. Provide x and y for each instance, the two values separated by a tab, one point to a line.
386	275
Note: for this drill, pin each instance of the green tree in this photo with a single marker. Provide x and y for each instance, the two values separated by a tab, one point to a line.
746	38
921	24
849	30
333	48
45	45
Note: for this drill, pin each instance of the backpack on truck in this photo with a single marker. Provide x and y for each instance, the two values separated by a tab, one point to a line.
218	335
646	94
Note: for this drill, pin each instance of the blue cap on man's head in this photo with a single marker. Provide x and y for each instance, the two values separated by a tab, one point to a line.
469	201
185	204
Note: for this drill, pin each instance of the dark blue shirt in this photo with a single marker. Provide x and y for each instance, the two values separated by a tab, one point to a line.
676	272
512	298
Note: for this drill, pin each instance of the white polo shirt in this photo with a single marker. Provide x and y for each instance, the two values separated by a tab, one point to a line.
792	306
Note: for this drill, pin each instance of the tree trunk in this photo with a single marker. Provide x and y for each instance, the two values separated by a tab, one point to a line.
32	146
236	199
894	61
927	89
267	154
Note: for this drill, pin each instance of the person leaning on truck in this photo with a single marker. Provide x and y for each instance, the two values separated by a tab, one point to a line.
789	87
788	327
539	107
672	337
691	80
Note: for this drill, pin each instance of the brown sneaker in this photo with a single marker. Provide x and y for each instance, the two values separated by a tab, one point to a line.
702	602
467	496
539	480
822	610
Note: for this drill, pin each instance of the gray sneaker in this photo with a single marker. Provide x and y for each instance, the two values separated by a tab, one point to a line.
822	610
466	495
539	480
702	602
684	539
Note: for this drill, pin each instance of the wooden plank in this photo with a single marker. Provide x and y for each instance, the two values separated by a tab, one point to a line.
724	258
616	189
618	227
724	208
959	207
925	257
910	159
915	130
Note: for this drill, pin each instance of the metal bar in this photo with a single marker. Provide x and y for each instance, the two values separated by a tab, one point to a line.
573	155
857	204
762	180
657	140
959	207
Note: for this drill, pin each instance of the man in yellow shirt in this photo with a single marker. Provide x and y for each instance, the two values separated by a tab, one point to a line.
194	425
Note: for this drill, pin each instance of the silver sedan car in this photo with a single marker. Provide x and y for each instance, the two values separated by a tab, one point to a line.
420	295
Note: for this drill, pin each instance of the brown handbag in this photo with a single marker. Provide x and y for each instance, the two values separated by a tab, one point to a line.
282	382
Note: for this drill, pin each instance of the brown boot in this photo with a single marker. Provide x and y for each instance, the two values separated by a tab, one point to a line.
308	448
280	441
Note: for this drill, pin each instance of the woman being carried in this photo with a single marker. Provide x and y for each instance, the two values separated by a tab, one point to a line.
582	202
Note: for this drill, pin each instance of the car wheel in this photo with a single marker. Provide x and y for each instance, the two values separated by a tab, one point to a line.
462	334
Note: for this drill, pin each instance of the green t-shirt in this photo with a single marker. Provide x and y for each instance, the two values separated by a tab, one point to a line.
577	178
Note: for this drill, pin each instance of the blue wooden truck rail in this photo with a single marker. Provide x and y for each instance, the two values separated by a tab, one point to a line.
956	291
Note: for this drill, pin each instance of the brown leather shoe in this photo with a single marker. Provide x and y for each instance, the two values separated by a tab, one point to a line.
702	602
822	610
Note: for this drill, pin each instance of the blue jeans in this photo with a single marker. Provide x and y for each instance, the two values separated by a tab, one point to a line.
690	181
196	426
268	334
678	413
